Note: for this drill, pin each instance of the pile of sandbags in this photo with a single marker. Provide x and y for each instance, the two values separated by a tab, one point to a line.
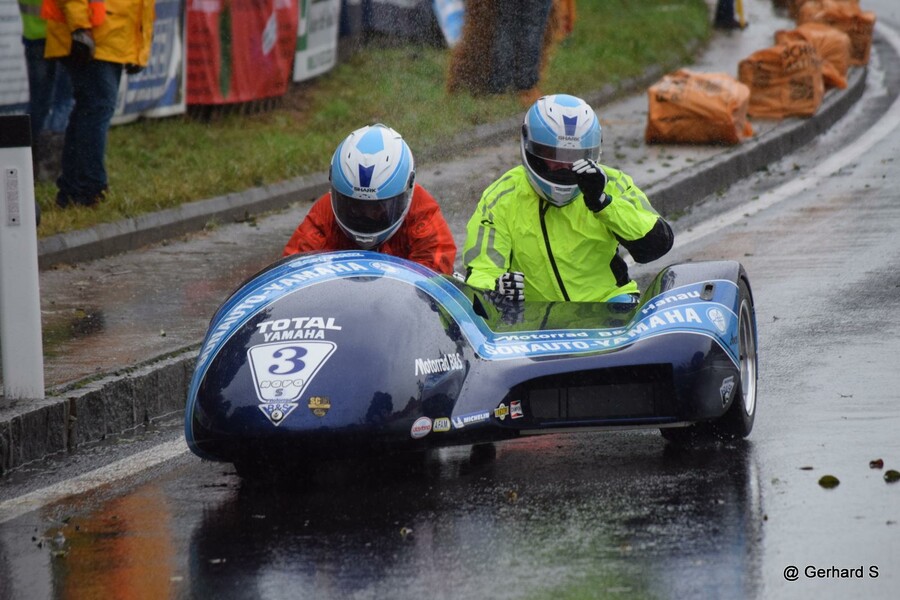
784	80
832	45
698	108
847	16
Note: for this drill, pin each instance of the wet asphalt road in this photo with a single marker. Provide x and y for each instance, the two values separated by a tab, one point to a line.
618	515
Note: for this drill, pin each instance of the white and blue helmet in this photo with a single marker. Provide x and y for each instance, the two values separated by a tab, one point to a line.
372	176
558	130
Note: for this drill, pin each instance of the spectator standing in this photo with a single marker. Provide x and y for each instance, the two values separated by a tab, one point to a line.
49	93
725	17
518	39
96	40
375	204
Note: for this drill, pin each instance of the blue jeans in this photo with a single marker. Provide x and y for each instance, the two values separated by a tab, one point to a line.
518	37
96	88
49	90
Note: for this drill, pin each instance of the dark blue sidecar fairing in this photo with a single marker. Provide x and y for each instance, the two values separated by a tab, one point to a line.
352	353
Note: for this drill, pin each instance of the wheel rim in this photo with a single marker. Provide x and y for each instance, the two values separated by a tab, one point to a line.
748	357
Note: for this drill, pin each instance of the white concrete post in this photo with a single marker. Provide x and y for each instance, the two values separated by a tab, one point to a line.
20	300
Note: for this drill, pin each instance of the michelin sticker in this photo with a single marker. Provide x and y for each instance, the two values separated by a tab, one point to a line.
281	371
470	419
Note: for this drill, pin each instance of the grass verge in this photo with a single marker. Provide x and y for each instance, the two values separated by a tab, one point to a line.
156	164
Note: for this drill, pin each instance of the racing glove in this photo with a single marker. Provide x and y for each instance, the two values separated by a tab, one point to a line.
510	287
82	51
591	179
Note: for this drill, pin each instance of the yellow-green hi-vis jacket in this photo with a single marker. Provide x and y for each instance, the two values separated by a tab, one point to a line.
566	252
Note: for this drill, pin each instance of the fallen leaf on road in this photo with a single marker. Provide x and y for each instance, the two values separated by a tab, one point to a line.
829	481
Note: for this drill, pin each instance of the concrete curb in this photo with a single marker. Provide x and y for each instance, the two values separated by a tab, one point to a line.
31	430
89	412
679	192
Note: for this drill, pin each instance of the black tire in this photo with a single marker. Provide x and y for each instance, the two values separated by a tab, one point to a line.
737	422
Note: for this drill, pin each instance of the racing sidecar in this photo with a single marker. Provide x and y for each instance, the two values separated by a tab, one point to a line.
354	353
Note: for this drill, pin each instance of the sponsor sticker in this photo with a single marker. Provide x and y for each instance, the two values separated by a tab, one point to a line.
461	421
726	389
319	405
501	411
515	409
441	424
717	317
281	372
420	428
277	411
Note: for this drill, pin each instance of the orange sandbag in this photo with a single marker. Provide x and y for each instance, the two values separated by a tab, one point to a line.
794	6
849	18
832	44
698	108
784	81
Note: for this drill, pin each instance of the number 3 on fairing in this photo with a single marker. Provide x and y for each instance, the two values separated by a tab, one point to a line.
281	371
292	363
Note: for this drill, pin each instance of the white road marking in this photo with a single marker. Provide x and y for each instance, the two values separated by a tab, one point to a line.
131	465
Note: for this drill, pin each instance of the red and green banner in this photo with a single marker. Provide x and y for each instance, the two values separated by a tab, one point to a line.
239	50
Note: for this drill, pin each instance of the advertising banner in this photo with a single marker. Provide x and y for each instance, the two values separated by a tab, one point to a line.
13	76
239	50
158	90
317	38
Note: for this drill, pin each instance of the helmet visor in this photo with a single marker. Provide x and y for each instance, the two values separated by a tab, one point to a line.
368	216
555	164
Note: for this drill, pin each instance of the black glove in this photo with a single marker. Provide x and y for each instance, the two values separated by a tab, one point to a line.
82	51
133	69
591	179
510	287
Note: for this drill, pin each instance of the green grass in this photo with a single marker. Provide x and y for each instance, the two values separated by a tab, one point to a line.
161	163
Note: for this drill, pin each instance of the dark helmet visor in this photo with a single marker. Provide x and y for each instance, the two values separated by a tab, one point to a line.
368	216
555	164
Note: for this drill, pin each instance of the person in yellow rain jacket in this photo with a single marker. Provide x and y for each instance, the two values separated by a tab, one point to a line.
550	228
96	41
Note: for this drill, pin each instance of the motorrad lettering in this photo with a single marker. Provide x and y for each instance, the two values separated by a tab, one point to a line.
448	362
541	336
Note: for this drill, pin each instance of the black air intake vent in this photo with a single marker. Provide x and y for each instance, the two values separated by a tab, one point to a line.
621	393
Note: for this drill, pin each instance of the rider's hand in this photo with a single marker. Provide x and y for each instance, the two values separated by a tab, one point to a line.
82	51
133	69
510	287
591	179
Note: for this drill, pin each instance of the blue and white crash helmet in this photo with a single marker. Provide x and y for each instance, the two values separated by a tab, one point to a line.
372	176
558	130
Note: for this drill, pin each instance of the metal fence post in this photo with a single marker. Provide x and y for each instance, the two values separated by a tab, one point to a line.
20	301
